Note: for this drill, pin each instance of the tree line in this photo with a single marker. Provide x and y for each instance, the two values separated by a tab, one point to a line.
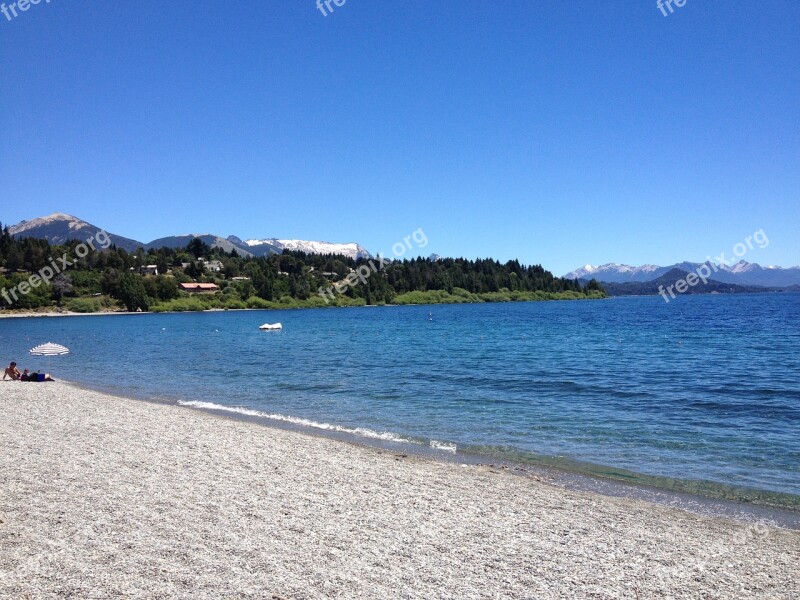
111	278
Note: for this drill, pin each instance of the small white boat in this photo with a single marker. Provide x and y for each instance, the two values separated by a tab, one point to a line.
271	326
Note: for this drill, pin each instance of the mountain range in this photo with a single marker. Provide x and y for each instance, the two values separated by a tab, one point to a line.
741	273
59	227
669	280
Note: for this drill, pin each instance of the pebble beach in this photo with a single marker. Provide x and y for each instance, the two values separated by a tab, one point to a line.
108	497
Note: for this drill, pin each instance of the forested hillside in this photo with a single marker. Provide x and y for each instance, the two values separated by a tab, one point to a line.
35	275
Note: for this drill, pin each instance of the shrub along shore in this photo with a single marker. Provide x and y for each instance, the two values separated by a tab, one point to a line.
202	302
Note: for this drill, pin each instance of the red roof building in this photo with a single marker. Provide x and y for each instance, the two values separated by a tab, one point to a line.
199	287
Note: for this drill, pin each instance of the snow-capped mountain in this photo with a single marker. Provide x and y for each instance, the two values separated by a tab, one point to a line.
620	273
740	273
60	227
351	250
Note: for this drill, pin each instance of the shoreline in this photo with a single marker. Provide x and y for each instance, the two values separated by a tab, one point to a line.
105	496
28	314
702	497
53	314
573	479
31	314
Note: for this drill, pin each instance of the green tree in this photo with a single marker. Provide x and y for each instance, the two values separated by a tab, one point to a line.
198	248
14	259
132	293
162	263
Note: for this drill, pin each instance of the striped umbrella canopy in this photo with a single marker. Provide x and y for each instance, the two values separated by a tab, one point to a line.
49	349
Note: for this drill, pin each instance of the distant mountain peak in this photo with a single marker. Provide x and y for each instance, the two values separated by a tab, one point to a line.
741	273
56	217
59	227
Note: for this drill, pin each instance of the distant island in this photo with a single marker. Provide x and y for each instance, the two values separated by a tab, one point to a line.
92	274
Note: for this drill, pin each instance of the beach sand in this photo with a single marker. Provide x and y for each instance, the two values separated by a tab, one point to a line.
106	497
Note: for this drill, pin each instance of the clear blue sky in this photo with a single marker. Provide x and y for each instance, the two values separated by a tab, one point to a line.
555	132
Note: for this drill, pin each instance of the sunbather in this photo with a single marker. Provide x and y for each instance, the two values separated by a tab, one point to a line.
35	376
12	371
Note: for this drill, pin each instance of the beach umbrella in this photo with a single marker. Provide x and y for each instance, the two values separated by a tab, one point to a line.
49	350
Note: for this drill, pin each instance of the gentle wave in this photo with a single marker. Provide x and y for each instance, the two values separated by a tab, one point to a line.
386	436
444	446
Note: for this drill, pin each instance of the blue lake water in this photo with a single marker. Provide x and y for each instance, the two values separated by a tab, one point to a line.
701	394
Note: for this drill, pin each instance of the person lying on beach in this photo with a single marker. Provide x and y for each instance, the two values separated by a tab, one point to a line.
35	376
12	371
